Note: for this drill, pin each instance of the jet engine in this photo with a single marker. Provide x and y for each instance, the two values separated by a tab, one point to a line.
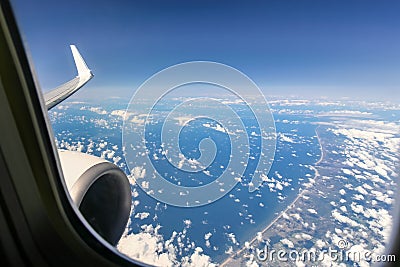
101	191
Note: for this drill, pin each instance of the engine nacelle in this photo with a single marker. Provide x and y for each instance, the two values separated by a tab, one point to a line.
100	189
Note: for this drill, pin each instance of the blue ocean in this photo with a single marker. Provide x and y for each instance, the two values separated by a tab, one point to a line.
223	226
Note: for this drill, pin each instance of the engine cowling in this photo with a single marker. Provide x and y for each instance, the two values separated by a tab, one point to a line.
100	189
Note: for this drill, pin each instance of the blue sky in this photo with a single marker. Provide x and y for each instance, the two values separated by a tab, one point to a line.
308	48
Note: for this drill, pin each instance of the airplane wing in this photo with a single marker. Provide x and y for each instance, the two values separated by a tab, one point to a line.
62	92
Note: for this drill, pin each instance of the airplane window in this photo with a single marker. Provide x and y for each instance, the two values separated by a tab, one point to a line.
220	133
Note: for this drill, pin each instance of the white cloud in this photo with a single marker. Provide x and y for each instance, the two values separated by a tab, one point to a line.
343	219
138	172
287	242
197	259
312	211
232	238
142	215
97	110
149	247
285	138
187	223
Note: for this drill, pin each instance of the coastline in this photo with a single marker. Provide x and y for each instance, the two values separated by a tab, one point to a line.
291	205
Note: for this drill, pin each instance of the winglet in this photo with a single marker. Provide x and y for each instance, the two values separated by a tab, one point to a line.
80	64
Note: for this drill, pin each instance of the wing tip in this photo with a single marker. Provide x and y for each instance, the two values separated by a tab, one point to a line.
80	63
57	95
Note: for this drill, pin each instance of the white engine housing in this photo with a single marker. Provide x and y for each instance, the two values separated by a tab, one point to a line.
100	189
